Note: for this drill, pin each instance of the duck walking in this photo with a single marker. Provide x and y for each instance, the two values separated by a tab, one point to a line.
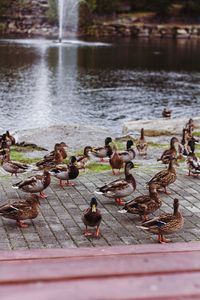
21	210
145	204
66	172
170	153
165	224
116	162
92	217
35	184
120	188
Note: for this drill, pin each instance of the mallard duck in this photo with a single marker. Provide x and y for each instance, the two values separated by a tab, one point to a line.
35	184
170	153
6	140
145	204
66	172
11	166
82	161
129	153
141	144
166	113
190	125
165	224
120	188
62	147
164	177
116	162
193	164
21	210
52	159
103	152
92	217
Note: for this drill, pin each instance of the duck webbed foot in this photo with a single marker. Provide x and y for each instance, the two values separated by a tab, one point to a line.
43	195
162	239
119	201
21	224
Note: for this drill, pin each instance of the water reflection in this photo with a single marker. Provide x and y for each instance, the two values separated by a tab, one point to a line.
43	83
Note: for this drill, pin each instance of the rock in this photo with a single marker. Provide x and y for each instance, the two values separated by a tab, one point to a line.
159	126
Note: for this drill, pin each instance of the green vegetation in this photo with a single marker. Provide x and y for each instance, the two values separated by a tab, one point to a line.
52	12
18	156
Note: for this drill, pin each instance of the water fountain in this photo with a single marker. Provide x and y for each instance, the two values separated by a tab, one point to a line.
68	16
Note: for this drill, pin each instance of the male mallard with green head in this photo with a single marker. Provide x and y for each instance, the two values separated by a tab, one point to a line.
129	153
92	217
66	172
21	210
145	204
103	152
164	177
35	184
165	224
120	188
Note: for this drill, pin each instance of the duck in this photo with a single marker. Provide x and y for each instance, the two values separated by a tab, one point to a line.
169	153
52	159
92	217
116	162
129	153
103	152
141	144
11	166
166	113
190	125
120	188
165	224
66	172
164	177
193	164
83	160
145	204
35	184
7	140
62	147
21	210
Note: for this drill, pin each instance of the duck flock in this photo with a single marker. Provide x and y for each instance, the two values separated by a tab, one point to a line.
144	205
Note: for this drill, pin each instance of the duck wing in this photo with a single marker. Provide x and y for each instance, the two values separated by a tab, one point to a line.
114	185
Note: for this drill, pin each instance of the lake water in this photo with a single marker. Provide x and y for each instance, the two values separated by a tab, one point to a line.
98	84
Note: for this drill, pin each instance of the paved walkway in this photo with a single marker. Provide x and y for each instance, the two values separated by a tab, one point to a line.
59	224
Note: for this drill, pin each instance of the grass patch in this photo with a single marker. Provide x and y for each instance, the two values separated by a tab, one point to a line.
97	168
196	133
157	145
18	156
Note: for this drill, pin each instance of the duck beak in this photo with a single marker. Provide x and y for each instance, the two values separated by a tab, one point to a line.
94	209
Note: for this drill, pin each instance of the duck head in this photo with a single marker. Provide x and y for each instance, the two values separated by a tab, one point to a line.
108	140
87	150
72	160
129	144
93	204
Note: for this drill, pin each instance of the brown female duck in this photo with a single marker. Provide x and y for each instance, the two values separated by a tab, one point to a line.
35	184
11	166
164	177
145	204
170	153
103	152
62	147
51	160
92	217
120	188
116	162
141	144
21	210
129	153
165	224
83	160
66	172
193	164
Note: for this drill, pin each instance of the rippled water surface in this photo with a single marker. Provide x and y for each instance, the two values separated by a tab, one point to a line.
44	83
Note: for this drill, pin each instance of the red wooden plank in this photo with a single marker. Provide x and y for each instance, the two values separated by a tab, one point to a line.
99	267
173	287
100	251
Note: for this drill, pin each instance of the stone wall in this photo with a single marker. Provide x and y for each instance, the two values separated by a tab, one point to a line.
143	30
28	19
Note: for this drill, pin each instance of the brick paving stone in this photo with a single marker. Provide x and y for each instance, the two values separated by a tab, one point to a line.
59	223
